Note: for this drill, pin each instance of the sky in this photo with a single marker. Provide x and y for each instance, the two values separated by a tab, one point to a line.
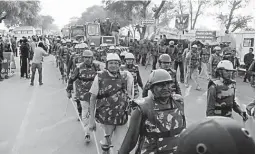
63	10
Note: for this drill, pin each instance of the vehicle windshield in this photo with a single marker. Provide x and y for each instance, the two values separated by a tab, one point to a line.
77	31
93	30
65	32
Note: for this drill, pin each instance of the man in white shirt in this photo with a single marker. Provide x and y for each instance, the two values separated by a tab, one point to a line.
111	90
37	63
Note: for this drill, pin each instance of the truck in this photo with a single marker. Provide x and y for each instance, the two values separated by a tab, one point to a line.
65	32
244	41
77	32
93	34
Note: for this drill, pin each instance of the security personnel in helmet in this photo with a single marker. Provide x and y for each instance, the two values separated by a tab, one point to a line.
214	60
72	63
221	93
64	56
134	70
58	48
111	89
70	50
111	49
216	135
93	49
103	52
85	72
165	63
158	119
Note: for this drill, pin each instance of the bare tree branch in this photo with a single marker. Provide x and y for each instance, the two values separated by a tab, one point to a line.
233	8
157	13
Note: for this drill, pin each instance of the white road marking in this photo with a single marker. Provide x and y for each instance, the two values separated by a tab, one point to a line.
94	135
47	128
187	91
22	130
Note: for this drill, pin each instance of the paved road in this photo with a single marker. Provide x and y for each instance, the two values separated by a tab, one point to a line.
33	119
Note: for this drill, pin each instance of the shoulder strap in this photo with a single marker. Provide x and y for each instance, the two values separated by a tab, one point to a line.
210	83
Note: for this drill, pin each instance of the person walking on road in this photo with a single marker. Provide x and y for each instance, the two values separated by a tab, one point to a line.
178	61
85	72
157	120
205	56
214	60
37	63
248	59
221	93
165	63
134	70
24	50
111	89
193	62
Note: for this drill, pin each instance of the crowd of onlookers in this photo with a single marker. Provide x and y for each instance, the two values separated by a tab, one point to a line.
23	47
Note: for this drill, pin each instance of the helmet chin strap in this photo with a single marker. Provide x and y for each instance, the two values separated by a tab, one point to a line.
226	80
129	65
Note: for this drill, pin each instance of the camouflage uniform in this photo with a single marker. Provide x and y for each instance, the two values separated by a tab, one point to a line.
154	53
221	99
86	76
205	56
134	70
160	126
112	99
214	62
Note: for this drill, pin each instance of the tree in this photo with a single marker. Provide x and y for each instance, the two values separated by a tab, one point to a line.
21	12
133	11
201	5
46	21
231	20
167	13
98	12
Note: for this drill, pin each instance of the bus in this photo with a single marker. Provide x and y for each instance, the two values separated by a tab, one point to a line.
39	31
26	31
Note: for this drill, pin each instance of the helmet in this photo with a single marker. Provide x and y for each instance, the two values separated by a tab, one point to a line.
194	46
63	41
92	44
113	56
87	53
171	43
103	45
165	58
225	64
75	42
158	76
83	45
217	48
129	56
77	46
111	48
215	135
68	41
